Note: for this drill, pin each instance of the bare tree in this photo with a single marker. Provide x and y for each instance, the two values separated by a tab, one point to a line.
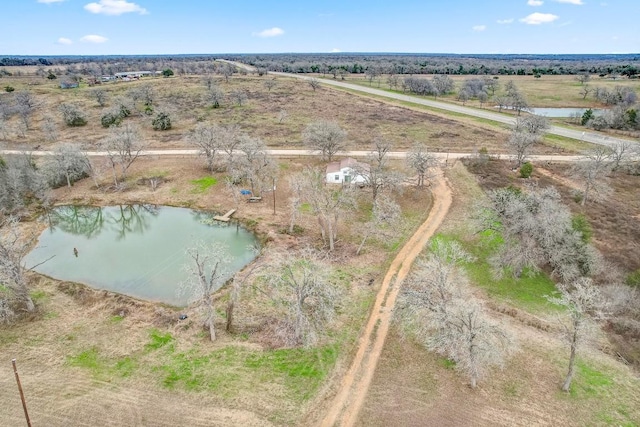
448	318
584	304
21	183
123	146
239	96
14	294
536	229
295	199
282	116
585	90
269	84
442	84
583	78
254	165
299	284
593	170
376	173
526	133
100	95
227	71
72	114
215	96
210	139
327	203
206	271
621	153
49	128
314	83
25	106
67	165
385	216
326	137
421	162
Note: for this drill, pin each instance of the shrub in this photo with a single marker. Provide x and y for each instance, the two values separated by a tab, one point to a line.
526	170
111	118
162	122
168	72
588	115
633	279
73	115
9	88
579	223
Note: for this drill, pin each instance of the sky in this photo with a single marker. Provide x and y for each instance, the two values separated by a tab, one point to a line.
136	27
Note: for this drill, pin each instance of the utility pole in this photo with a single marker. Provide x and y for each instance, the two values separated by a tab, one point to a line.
24	403
274	196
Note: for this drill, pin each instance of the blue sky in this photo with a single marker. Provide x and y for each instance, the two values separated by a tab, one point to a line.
104	27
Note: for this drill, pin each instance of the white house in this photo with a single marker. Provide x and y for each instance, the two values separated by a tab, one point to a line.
347	171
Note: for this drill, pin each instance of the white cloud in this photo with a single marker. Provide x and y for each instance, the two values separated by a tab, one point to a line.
539	18
335	50
50	1
576	2
64	40
114	7
535	2
271	32
92	38
505	21
479	27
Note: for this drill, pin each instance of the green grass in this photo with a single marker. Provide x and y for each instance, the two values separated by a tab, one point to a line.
158	339
203	184
101	367
589	382
527	293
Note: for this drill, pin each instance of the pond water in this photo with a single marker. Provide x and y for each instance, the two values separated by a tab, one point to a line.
137	250
562	112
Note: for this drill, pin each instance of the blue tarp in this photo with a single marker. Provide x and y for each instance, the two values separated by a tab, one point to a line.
245	192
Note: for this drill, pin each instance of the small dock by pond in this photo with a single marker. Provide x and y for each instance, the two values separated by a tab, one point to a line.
226	217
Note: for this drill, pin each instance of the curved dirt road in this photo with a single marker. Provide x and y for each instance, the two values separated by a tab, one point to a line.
353	389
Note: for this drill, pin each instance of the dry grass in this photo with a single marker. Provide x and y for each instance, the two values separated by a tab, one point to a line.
363	118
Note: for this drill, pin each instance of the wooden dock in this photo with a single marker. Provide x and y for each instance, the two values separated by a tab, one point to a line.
226	217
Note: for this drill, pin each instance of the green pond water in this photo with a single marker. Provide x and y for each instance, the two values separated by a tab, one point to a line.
137	250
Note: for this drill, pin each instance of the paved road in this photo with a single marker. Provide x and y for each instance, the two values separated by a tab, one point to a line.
592	137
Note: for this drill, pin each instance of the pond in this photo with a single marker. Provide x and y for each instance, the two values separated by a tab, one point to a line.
137	250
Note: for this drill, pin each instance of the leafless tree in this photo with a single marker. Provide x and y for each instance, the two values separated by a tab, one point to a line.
66	165
21	183
442	84
376	172
282	116
422	162
621	153
593	170
26	104
215	96
526	133
314	83
327	203
584	304
207	270
239	96
295	199
327	137
100	95
123	146
536	229
299	284
269	84
14	294
254	165
49	128
583	78
227	71
447	316
72	114
585	90
210	140
385	216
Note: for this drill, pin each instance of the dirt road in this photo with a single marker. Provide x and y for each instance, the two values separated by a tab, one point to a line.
353	389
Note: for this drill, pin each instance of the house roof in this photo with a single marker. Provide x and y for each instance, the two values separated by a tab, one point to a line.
349	162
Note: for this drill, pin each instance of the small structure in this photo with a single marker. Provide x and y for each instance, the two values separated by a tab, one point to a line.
69	85
226	217
347	171
133	74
